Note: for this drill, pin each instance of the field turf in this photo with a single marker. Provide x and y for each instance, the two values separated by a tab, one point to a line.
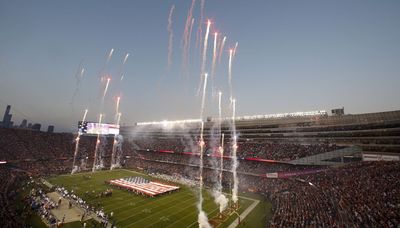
177	209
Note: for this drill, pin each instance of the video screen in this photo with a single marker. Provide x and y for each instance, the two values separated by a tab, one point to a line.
96	128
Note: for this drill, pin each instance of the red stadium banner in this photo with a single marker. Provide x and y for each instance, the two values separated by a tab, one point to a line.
260	160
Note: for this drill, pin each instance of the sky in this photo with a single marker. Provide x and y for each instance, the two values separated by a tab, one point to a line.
291	56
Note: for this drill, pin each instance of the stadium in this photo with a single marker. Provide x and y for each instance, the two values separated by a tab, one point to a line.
295	169
201	113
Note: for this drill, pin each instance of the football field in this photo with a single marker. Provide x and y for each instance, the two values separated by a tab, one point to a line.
177	209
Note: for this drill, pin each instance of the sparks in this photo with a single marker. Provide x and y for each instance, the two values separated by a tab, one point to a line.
185	39
126	58
234	154
221	49
105	89
95	161
117	105
234	49
230	72
171	36
203	65
214	59
84	115
110	54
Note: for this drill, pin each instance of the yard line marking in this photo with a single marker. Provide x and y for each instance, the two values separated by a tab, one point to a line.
190	214
191	198
174	213
244	214
150	202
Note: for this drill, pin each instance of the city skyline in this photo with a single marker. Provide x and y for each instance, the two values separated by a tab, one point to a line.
292	56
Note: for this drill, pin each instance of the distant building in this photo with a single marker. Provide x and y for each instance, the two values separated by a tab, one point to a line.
7	118
30	125
23	123
36	126
338	111
50	129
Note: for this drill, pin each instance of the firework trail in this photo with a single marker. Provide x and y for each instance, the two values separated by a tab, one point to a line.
203	64
219	110
95	162
221	151
203	98
84	116
171	36
122	70
220	123
117	106
185	39
75	168
115	146
219	197
202	217
230	73
106	88
110	55
214	61
78	76
126	58
234	154
234	49
221	49
190	38
103	70
199	35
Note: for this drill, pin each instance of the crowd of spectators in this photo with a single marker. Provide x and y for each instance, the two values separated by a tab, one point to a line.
42	153
162	145
42	205
366	193
11	182
38	153
214	162
283	151
363	194
265	150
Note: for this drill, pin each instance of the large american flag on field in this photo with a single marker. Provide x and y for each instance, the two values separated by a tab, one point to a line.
149	188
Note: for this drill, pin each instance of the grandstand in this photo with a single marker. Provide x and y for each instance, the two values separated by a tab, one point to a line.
317	170
286	138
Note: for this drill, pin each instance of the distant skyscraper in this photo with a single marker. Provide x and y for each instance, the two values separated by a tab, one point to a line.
30	125
7	117
23	123
50	129
36	126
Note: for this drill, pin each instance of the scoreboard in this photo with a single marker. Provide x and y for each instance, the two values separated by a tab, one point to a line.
93	128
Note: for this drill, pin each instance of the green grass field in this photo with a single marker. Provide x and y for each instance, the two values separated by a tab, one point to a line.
177	209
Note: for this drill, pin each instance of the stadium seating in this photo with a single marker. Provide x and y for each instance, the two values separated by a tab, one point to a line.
363	194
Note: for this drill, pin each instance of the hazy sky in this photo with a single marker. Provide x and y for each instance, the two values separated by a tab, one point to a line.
292	56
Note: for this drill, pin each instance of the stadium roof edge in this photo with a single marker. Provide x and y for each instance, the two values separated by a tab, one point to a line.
253	117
